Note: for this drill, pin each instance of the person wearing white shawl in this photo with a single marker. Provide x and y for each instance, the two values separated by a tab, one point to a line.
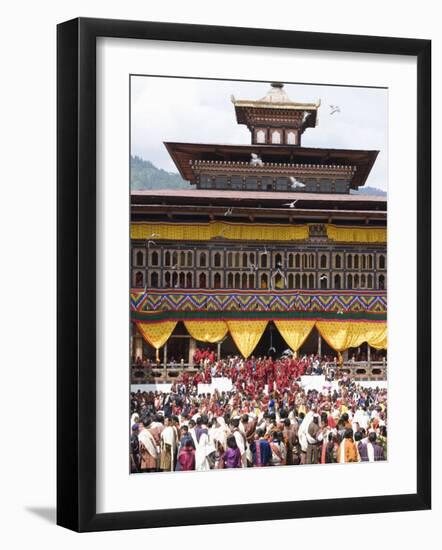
241	441
203	450
302	434
220	433
148	449
169	440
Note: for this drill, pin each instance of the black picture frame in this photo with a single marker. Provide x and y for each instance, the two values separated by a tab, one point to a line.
76	273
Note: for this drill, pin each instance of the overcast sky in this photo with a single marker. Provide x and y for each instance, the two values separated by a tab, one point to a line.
200	111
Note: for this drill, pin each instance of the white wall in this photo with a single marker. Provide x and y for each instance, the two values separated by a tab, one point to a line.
27	217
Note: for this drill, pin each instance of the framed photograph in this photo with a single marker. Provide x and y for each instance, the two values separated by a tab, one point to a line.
243	274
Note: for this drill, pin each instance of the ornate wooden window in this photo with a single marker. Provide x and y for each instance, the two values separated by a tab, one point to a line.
276	136
337	281
381	284
139	258
260	136
263	260
202	280
139	279
154	258
203	259
217	280
264	281
154	279
291	137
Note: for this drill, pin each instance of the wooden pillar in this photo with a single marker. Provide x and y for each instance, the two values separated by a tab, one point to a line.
165	355
192	349
319	345
137	347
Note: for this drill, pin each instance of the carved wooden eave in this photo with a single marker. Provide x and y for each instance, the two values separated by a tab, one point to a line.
273	169
187	155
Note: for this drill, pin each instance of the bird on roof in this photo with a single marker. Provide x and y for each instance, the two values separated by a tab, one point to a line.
296	184
256	160
291	204
334	109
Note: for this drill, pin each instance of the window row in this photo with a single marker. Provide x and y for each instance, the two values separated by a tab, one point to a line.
262	259
268	183
241	280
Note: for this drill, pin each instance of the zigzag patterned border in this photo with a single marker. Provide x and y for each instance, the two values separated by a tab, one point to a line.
318	301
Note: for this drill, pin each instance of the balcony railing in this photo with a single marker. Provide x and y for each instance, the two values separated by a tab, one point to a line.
359	371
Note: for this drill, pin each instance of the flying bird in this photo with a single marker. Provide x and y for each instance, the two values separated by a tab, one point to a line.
322	277
334	109
151	243
296	184
228	212
291	204
256	160
253	267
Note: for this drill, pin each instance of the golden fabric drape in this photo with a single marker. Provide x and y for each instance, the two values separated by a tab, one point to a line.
208	231
294	332
379	340
246	334
156	334
206	331
254	232
341	335
357	234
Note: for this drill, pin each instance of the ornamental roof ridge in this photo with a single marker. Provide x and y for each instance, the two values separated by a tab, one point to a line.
276	98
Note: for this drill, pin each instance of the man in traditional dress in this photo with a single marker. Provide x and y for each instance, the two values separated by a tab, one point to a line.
314	441
148	448
135	456
204	453
261	451
347	449
371	451
169	441
240	439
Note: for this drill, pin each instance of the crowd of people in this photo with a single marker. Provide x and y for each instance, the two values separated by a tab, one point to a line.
266	419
